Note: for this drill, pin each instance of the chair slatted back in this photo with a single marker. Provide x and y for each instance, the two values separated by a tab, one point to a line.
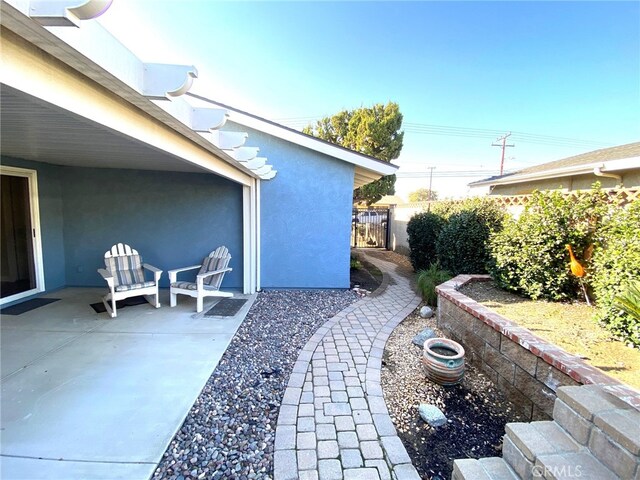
125	264
217	260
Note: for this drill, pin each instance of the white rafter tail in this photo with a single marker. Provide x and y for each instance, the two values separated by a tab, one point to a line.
178	108
265	169
269	175
206	119
244	154
255	163
162	81
66	13
228	140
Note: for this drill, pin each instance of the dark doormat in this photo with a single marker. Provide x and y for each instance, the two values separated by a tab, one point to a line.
27	306
127	302
227	307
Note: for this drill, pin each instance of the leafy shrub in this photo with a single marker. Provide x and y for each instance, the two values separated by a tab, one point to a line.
616	264
529	255
422	231
461	245
425	228
428	280
486	207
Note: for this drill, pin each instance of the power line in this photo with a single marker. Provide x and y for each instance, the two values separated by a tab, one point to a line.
448	173
467	132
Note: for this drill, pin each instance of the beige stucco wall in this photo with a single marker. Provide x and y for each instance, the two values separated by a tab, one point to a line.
630	179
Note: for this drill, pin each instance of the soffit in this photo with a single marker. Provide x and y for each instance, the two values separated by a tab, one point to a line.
35	130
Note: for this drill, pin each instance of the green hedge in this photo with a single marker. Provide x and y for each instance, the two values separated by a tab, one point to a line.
454	235
616	265
422	231
529	255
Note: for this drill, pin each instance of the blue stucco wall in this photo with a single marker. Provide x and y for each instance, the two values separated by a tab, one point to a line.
51	219
305	216
173	219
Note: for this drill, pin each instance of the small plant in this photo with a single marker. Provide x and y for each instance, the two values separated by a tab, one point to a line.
629	300
355	263
429	279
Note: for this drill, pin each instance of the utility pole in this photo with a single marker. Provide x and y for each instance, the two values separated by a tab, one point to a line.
502	139
430	180
430	183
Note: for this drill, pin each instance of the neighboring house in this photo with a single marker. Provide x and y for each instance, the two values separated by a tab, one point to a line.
388	201
99	148
611	167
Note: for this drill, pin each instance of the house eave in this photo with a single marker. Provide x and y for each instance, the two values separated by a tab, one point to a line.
367	168
34	33
604	166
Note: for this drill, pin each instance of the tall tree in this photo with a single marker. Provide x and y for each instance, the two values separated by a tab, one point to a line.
373	131
423	195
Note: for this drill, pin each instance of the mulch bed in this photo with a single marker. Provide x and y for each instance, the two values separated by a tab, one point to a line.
476	411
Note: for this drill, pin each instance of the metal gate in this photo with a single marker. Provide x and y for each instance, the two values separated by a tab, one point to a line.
370	228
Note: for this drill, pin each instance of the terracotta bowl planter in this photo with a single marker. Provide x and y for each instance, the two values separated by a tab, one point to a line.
443	360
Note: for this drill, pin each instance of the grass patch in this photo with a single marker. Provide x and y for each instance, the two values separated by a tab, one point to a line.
567	325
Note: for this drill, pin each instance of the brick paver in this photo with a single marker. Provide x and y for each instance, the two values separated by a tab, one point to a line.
333	423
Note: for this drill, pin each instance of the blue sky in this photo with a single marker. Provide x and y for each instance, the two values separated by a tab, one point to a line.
546	69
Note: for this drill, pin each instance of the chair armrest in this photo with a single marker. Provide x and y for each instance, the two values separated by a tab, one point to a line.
173	274
151	268
107	276
215	272
157	273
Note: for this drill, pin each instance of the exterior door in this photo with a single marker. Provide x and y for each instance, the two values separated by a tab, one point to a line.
20	251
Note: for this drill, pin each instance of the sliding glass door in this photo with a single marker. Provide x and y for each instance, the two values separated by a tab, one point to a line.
20	255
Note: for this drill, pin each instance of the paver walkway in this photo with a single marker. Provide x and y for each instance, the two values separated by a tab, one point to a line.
333	422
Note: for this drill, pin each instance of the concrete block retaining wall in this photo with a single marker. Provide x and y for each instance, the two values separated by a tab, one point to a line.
526	368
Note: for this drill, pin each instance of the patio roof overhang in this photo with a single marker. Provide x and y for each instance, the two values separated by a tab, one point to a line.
75	96
60	106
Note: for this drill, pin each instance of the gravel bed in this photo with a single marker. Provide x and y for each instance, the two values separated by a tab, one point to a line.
476	411
230	430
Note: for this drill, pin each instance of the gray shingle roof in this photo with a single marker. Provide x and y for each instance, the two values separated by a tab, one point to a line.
603	155
606	154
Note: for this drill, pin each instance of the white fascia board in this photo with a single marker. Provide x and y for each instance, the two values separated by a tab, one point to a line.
606	166
298	138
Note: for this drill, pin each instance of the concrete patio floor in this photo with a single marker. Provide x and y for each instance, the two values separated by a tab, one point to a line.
85	396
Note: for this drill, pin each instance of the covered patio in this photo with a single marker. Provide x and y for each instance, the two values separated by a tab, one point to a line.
87	396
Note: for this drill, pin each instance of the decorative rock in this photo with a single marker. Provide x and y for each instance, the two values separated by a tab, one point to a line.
432	415
426	312
229	433
423	336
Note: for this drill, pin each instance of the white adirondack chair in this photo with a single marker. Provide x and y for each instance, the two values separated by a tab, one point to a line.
124	275
207	282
